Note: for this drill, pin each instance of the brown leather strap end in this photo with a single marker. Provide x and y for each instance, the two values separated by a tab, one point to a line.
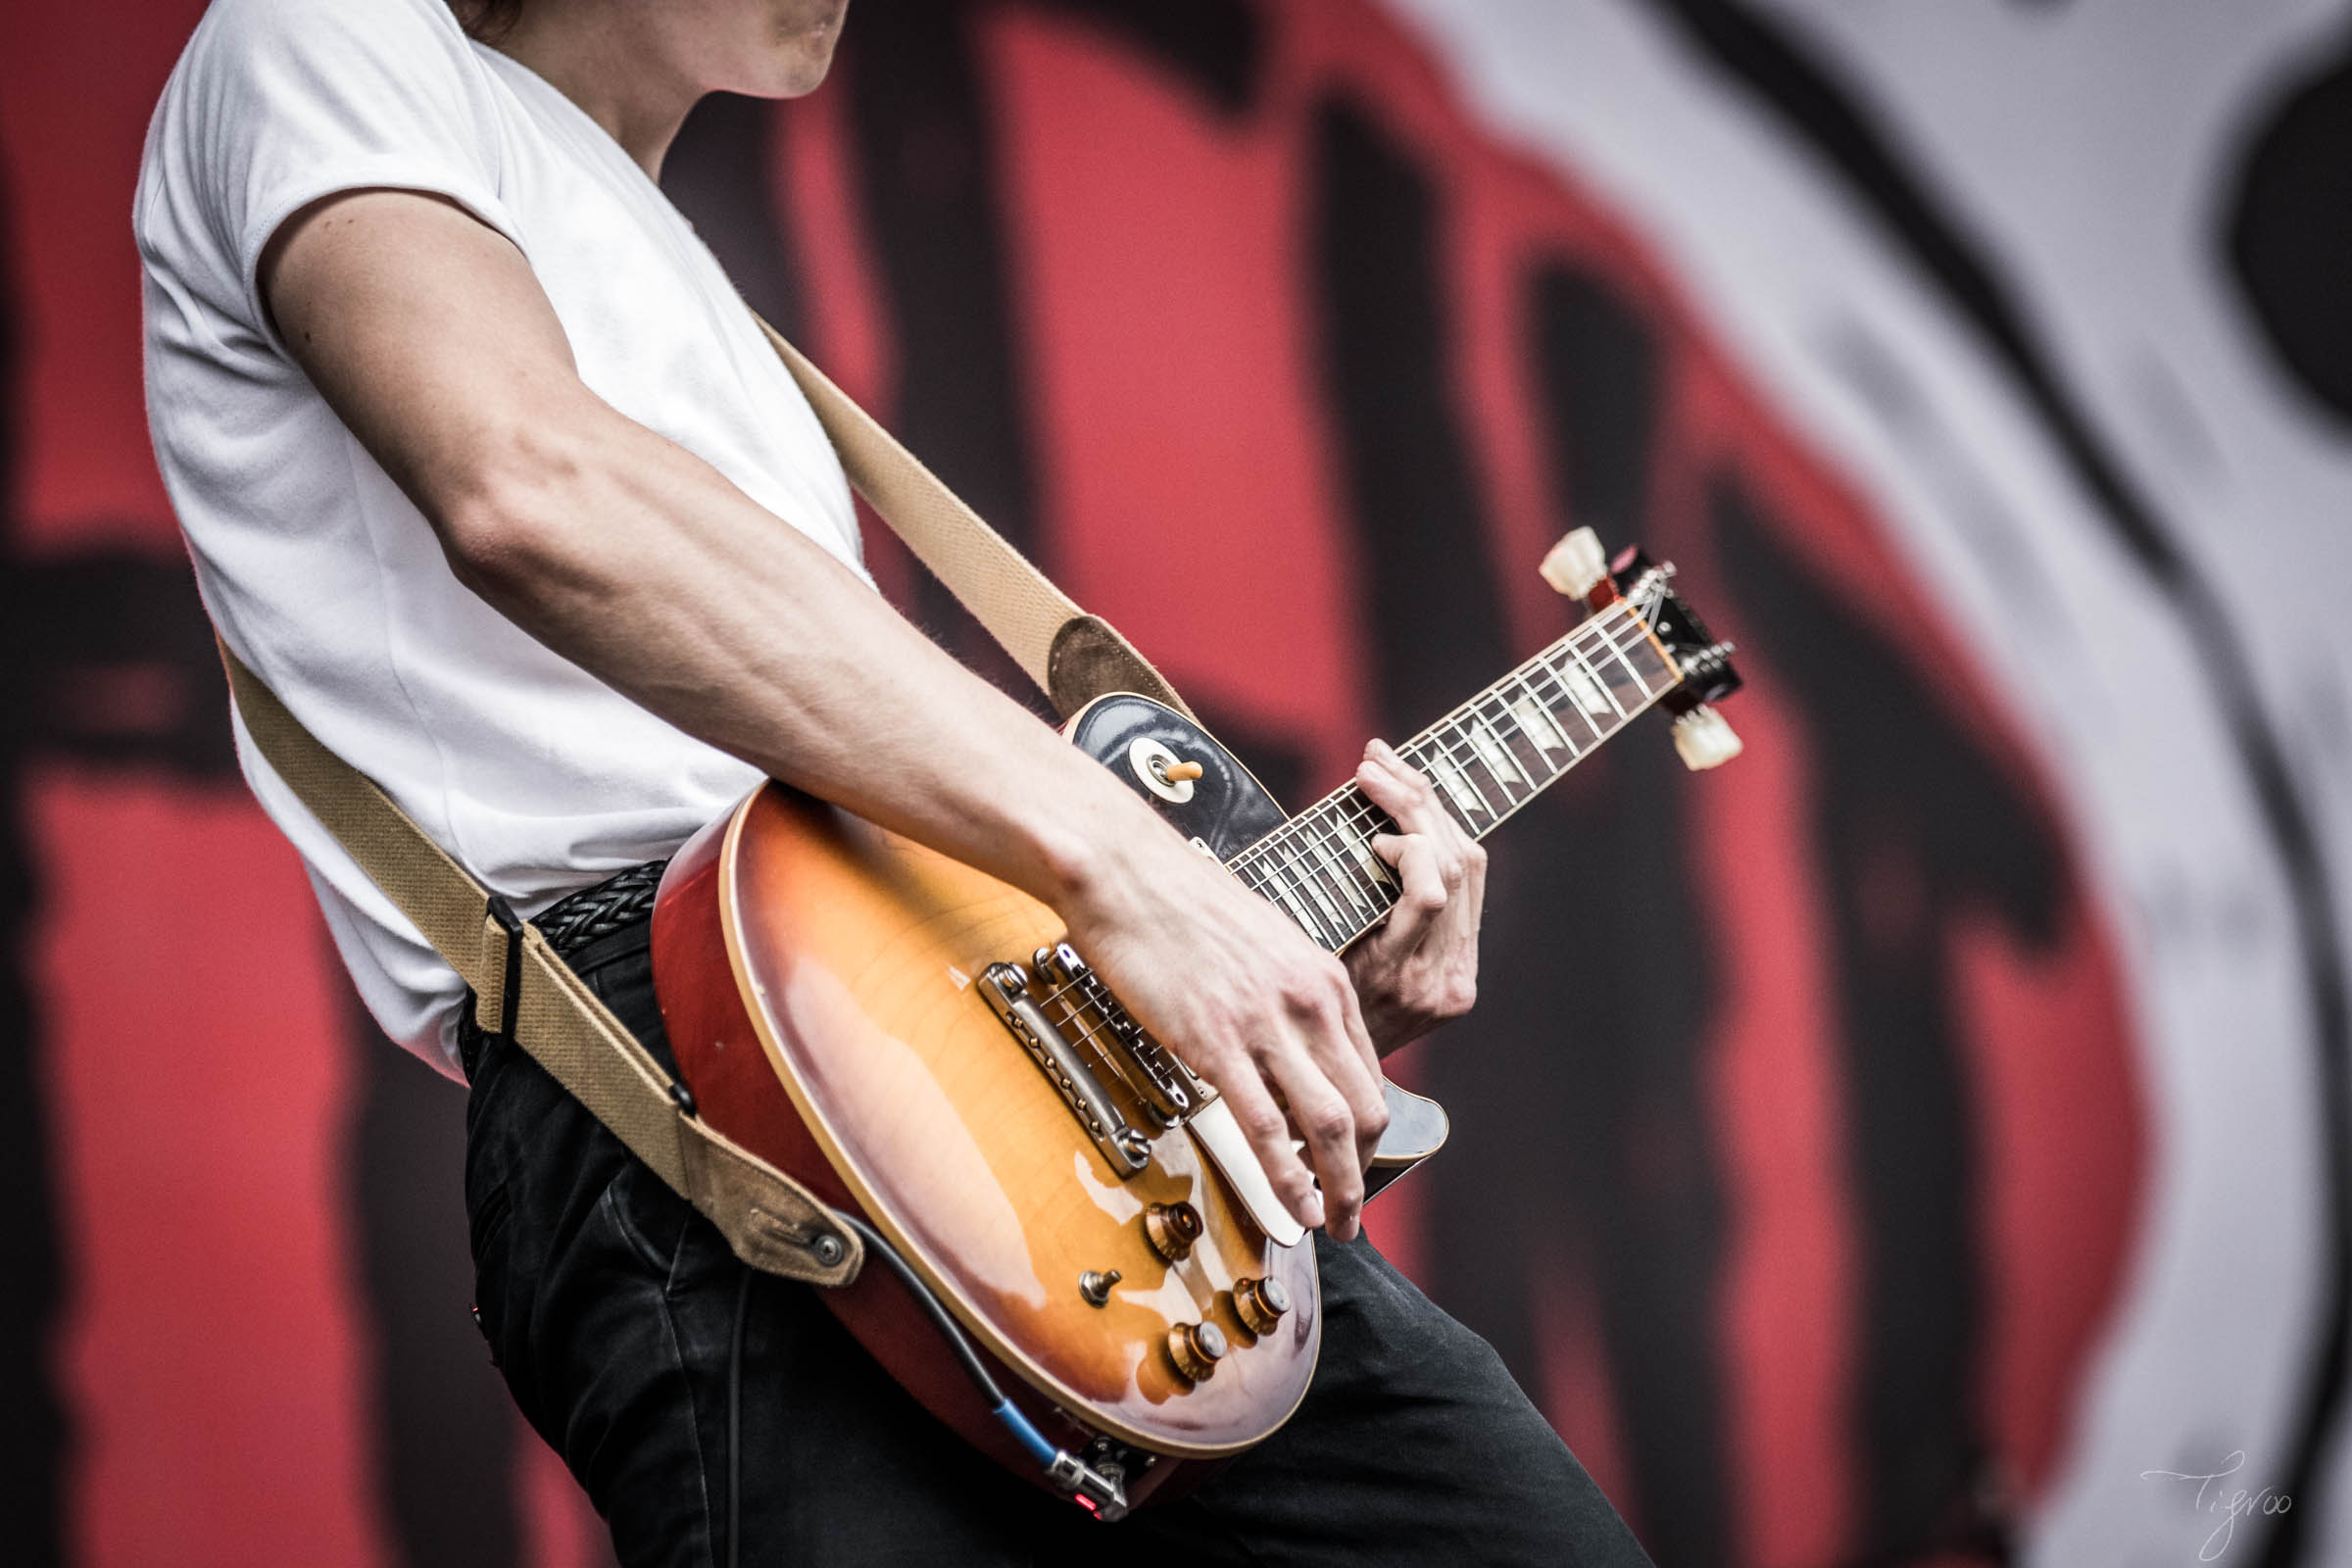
1091	659
770	1220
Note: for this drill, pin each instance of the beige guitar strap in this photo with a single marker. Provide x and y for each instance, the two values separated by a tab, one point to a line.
524	990
1073	657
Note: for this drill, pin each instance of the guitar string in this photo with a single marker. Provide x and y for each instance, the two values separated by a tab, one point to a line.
1603	628
1310	839
1339	810
1351	814
1512	806
1348	808
1433	737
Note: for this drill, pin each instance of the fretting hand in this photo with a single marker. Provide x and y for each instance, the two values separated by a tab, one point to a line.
1420	968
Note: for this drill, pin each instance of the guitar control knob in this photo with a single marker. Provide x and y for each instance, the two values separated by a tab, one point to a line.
1172	1229
1703	740
1261	1303
1196	1348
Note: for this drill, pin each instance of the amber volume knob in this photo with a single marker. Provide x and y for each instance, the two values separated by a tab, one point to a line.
1261	1303
1172	1229
1196	1348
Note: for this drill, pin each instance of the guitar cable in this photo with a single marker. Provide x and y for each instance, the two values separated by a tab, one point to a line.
1004	1411
1100	1493
1073	1475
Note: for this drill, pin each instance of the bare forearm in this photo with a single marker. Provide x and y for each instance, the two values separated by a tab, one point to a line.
647	567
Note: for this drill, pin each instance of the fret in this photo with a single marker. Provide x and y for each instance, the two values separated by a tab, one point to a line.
1334	842
1554	713
1311	857
1364	899
1482	774
1573	711
1633	674
1319	889
1454	746
1320	878
1309	867
1287	896
1360	845
1590	699
1266	877
1511	727
1595	730
1490	752
1257	881
1592	678
1456	784
1665	674
1536	723
1534	768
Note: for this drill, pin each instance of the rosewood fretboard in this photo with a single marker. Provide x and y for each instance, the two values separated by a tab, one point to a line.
1487	757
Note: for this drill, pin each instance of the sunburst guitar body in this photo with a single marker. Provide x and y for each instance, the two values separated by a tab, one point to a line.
913	1040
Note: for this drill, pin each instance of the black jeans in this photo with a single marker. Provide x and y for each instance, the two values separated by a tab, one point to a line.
609	1307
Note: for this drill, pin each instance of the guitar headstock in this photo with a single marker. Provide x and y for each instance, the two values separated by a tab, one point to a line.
1576	568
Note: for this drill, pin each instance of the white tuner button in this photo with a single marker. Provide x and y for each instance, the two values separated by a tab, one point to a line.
1704	739
1576	564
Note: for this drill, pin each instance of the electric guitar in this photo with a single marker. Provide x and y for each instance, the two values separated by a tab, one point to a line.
1085	1272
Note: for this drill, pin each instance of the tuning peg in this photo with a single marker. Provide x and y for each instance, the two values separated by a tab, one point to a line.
1704	739
1576	564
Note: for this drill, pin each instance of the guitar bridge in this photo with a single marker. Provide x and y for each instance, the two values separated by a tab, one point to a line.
1164	1086
1006	986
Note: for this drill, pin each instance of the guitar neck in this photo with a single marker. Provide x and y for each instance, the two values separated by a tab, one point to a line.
1488	759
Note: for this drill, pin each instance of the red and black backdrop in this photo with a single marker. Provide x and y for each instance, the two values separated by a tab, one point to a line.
1887	1148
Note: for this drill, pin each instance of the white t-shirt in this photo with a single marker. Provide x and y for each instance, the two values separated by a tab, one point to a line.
319	572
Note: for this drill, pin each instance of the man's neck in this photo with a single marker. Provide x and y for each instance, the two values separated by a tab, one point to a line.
620	63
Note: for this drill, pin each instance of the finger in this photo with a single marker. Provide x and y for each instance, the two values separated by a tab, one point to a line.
1342	1044
1267	1126
1402	790
1422	818
1422	894
1328	1124
1470	901
1396	788
1372	1114
1447	828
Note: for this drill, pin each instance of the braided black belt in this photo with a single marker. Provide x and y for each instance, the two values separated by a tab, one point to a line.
595	925
578	920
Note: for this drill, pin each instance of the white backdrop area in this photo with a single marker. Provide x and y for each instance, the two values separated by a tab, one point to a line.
2096	161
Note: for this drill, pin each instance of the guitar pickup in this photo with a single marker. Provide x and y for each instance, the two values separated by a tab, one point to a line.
1006	986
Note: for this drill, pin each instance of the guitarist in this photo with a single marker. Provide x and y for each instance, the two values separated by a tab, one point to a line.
487	472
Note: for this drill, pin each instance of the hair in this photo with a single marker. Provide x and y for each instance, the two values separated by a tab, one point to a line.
487	20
